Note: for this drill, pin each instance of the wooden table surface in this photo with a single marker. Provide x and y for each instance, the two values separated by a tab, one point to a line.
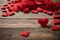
11	26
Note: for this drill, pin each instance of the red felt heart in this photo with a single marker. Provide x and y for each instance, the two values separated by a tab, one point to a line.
25	33
43	22
39	9
49	12
4	10
3	7
56	12
45	11
10	13
56	22
56	17
55	28
4	14
34	11
21	6
26	10
13	8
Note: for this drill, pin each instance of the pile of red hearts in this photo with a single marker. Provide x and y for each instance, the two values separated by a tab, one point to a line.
34	6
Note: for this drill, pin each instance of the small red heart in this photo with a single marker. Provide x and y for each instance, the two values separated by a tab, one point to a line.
56	17
49	12
3	7
56	22
55	28
32	5
34	11
39	9
45	11
4	10
26	10
20	6
56	12
25	33
13	1
10	13
13	8
43	22
8	2
4	14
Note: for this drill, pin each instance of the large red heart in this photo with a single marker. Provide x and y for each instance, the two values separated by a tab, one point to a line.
43	21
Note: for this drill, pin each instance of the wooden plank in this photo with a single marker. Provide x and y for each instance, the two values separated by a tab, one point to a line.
20	23
2	2
35	34
28	15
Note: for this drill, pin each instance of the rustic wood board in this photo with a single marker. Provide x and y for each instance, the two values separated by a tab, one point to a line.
11	26
35	34
21	23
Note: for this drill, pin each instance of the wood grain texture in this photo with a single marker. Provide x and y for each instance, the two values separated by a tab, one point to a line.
11	26
21	23
35	34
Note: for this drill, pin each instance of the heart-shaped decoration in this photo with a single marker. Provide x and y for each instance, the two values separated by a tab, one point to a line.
25	33
55	28
43	21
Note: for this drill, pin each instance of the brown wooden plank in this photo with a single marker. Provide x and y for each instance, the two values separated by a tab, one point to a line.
28	15
21	23
35	34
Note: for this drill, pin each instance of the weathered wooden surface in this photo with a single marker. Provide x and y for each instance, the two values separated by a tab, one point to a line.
10	27
35	34
21	23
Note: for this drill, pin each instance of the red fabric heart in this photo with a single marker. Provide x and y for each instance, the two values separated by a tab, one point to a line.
34	11
39	9
4	14
49	12
13	8
45	11
26	10
22	6
43	22
10	13
4	10
56	12
56	17
3	7
55	28
56	22
25	33
32	4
